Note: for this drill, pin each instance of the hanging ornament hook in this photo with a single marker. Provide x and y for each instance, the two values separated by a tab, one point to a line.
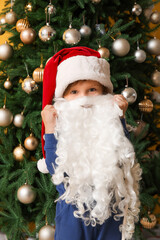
126	81
26	68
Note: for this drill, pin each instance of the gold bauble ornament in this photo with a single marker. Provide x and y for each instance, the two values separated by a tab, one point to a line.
26	194
19	152
6	51
146	105
71	36
11	17
6	117
29	85
104	52
8	84
156	78
46	233
28	36
38	74
22	24
46	33
29	7
18	120
149	223
139	129
155	17
50	9
120	47
31	143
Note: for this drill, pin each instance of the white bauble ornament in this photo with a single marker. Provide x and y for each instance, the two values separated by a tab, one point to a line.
11	17
71	36
140	56
129	94
31	143
6	117
6	51
46	233
153	46
136	10
29	85
156	78
26	194
18	120
46	33
120	47
85	31
155	17
7	84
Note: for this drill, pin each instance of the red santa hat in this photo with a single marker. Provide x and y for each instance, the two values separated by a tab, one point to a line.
70	65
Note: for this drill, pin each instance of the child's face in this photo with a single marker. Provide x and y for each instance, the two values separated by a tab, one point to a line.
83	88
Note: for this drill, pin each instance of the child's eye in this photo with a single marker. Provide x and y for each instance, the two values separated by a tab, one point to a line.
73	91
92	89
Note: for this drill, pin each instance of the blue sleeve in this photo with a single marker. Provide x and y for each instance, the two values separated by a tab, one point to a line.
50	150
125	128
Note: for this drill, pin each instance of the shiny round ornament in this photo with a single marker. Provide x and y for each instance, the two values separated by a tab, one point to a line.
71	36
156	78
155	17
148	11
18	120
129	94
6	51
2	31
120	47
3	20
104	52
19	152
50	9
46	233
22	24
140	129
31	143
156	96
158	58
29	7
96	1
29	85
38	74
28	36
46	33
136	10
153	46
11	17
26	194
140	56
85	31
6	117
146	105
149	223
7	84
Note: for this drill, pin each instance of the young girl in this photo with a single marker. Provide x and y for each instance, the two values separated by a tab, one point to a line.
80	80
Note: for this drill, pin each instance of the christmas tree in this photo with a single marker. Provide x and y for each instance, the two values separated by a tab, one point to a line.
120	30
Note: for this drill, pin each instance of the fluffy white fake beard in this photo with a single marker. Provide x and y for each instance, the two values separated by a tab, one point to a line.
95	159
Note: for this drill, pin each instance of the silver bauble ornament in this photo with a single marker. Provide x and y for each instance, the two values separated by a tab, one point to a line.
156	96
6	117
28	35
104	52
129	94
11	17
120	47
6	51
1	30
18	120
50	9
156	78
85	31
153	46
8	84
136	10
46	233
71	36
19	152
96	1
31	143
155	17
29	85
46	33
140	56
26	194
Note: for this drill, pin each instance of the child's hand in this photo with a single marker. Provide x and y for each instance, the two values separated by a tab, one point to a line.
122	102
49	115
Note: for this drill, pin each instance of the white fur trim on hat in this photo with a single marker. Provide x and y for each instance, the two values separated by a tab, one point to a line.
42	167
82	68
